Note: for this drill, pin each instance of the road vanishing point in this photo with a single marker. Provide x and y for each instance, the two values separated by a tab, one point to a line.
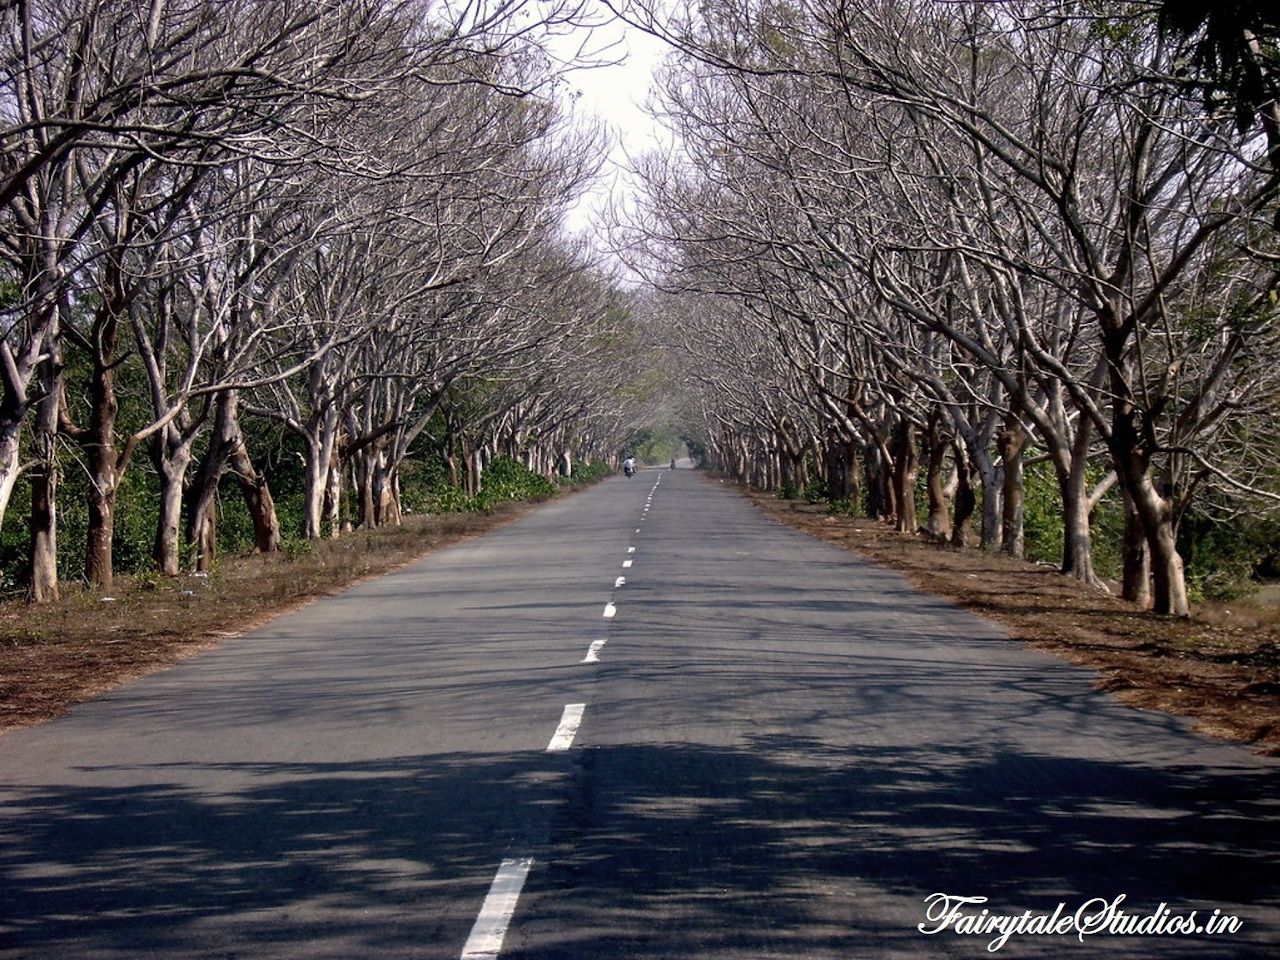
644	721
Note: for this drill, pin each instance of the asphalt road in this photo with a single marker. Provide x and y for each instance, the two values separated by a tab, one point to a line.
642	722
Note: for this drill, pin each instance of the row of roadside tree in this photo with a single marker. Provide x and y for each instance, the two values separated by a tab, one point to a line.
916	244
342	217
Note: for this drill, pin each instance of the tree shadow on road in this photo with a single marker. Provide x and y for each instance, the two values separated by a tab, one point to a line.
781	846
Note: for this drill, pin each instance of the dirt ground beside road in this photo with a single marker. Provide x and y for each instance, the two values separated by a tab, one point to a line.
1220	667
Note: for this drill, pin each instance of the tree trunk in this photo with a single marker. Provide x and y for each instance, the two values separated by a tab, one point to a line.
202	533
1168	579
1136	579
1077	538
1011	442
10	434
321	437
939	521
389	507
906	467
965	500
1154	511
475	471
171	461
839	466
103	462
202	513
44	491
365	467
315	479
881	501
332	514
992	479
98	568
256	493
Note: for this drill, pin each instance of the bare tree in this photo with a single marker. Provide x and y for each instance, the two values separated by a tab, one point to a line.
1008	176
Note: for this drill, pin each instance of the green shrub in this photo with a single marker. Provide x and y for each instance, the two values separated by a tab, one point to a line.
448	500
1225	556
842	507
591	471
506	480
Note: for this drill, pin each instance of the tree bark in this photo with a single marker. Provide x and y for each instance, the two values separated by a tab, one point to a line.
256	492
44	489
965	501
1077	535
1131	452
202	495
332	513
172	457
1168	579
935	449
321	438
104	463
906	467
1136	579
1011	442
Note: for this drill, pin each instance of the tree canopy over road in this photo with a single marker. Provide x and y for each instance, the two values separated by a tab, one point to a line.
334	225
969	238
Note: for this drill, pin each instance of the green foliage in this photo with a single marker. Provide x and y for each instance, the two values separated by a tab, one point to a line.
417	481
1042	514
295	548
695	448
1224	557
586	473
656	444
136	514
1042	521
506	480
235	525
503	481
448	500
15	537
843	507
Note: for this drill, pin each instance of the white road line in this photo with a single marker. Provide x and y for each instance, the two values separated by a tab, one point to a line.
568	729
485	942
593	651
619	582
610	611
626	564
631	549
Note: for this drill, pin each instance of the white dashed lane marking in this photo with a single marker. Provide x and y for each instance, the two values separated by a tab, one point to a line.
568	728
485	942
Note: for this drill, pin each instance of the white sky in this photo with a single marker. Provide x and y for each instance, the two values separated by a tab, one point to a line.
616	95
